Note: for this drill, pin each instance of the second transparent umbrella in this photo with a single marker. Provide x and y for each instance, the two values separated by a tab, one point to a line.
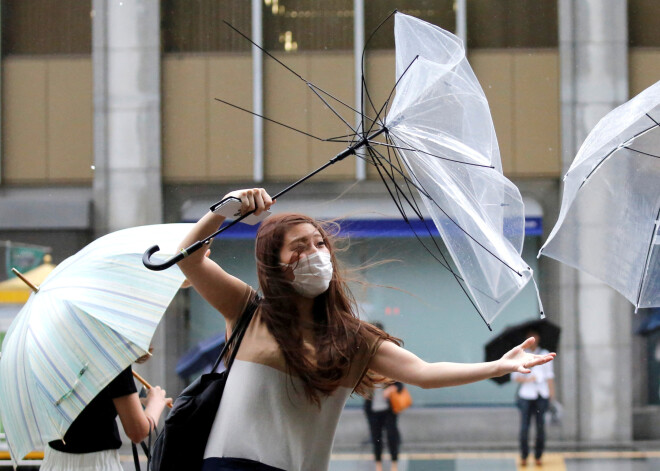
609	221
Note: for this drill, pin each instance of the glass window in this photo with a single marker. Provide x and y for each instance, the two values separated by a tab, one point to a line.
512	24
643	28
308	25
42	27
198	26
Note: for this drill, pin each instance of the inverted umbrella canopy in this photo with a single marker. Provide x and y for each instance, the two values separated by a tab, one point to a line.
92	317
441	125
514	335
614	181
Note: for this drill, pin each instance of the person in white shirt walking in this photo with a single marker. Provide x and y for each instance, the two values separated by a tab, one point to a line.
536	391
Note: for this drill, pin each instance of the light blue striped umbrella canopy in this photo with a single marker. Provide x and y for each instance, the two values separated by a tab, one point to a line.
92	317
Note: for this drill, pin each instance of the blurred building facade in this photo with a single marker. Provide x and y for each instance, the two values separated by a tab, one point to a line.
109	120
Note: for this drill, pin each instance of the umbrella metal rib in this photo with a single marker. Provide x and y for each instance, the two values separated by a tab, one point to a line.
648	259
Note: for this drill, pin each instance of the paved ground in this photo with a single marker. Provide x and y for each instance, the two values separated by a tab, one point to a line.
573	461
492	461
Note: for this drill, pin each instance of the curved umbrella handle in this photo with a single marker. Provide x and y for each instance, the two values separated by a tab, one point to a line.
146	257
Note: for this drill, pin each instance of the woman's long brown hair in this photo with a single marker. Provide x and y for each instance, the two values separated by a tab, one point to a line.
339	334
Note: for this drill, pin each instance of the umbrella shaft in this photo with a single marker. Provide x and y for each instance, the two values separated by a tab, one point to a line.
194	247
341	156
25	280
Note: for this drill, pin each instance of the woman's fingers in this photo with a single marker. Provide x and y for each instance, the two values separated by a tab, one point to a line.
535	360
527	343
260	204
254	199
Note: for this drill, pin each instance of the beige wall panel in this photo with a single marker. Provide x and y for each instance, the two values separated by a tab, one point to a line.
536	114
70	121
24	120
185	118
380	76
644	69
494	70
334	74
286	100
230	154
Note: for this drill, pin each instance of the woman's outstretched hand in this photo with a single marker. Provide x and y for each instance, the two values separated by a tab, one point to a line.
517	360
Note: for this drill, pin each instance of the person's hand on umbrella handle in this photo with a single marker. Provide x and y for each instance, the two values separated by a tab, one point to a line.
252	199
517	360
156	401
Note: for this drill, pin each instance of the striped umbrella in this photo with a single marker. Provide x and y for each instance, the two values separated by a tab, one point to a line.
92	317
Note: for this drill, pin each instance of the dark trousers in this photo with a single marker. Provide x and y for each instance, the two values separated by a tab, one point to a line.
384	420
529	408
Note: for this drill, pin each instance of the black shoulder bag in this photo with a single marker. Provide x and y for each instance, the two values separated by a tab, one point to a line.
182	442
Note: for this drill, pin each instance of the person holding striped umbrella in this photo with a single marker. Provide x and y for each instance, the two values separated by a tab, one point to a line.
75	340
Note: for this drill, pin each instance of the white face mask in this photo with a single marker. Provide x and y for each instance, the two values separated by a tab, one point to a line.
312	274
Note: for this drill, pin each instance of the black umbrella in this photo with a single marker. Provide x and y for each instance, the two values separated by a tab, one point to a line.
650	323
514	335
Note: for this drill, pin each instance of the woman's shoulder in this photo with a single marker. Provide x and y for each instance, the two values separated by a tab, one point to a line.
248	298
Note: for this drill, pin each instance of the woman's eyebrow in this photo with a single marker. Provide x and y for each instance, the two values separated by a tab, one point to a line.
305	238
298	240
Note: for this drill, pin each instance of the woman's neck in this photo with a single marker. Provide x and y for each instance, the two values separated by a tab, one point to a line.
305	308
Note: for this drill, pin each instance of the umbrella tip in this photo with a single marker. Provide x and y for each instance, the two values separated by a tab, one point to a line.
25	280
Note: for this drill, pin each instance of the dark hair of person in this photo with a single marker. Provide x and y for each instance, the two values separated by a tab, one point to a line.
146	356
339	334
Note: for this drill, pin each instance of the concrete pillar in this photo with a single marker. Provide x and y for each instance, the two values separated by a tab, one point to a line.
127	151
596	382
127	141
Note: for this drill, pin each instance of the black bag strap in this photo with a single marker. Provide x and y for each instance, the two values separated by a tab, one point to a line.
237	335
146	448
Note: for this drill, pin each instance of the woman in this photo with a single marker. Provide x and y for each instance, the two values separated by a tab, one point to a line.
305	350
92	441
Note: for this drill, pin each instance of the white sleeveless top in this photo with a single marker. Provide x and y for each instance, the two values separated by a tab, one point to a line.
264	415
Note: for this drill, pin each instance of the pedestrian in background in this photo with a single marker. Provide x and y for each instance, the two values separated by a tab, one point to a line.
535	392
381	417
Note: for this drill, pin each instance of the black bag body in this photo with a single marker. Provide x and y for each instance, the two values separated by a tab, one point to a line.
182	442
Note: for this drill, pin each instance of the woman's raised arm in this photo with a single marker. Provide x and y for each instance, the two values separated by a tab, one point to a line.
401	365
223	291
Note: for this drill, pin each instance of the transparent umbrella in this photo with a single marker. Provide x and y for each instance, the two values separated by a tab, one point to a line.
92	317
437	143
614	182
